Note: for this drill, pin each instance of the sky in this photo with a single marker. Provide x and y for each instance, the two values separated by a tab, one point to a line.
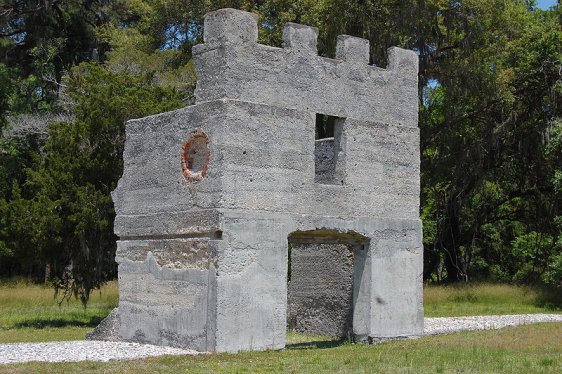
545	4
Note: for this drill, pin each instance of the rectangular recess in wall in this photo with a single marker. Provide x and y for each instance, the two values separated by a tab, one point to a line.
328	153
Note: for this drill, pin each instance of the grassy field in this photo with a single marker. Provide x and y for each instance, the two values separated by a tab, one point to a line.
487	299
525	349
29	313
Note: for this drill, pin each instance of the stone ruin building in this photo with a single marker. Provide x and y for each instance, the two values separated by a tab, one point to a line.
235	222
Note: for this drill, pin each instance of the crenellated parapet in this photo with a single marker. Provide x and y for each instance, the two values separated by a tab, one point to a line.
233	65
212	194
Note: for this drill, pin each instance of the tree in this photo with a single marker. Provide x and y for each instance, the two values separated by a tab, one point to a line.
489	87
486	178
70	188
42	39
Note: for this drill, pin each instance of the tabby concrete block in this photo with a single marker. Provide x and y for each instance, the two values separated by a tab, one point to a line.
212	194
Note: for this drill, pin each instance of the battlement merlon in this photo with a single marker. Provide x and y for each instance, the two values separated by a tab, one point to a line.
300	38
230	26
232	65
352	49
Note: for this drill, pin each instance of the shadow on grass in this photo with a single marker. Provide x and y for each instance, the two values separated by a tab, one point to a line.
40	323
317	344
550	298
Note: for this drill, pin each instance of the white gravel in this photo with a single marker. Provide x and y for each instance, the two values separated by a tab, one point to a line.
93	350
88	350
446	325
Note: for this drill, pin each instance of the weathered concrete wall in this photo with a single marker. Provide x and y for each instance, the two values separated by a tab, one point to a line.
320	289
328	167
210	193
165	291
296	77
246	171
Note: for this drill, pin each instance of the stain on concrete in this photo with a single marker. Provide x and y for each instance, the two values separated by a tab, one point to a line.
211	193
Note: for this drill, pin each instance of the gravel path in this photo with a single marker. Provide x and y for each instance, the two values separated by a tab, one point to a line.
92	350
447	325
82	350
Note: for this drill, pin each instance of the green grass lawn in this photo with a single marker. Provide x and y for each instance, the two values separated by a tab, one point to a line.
487	299
525	349
30	313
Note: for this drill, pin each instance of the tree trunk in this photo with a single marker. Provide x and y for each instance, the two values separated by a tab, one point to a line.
47	273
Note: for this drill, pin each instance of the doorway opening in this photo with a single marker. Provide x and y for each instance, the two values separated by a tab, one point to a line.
324	276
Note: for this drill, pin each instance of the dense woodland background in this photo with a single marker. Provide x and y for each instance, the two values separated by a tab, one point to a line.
490	86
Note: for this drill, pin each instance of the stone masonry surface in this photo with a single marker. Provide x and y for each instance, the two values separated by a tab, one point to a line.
211	194
320	291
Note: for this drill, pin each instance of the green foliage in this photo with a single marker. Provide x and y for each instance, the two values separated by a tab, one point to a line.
491	133
6	90
553	274
485	141
530	256
67	222
42	39
82	165
23	225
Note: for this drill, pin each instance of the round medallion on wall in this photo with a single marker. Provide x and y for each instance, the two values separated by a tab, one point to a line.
195	156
